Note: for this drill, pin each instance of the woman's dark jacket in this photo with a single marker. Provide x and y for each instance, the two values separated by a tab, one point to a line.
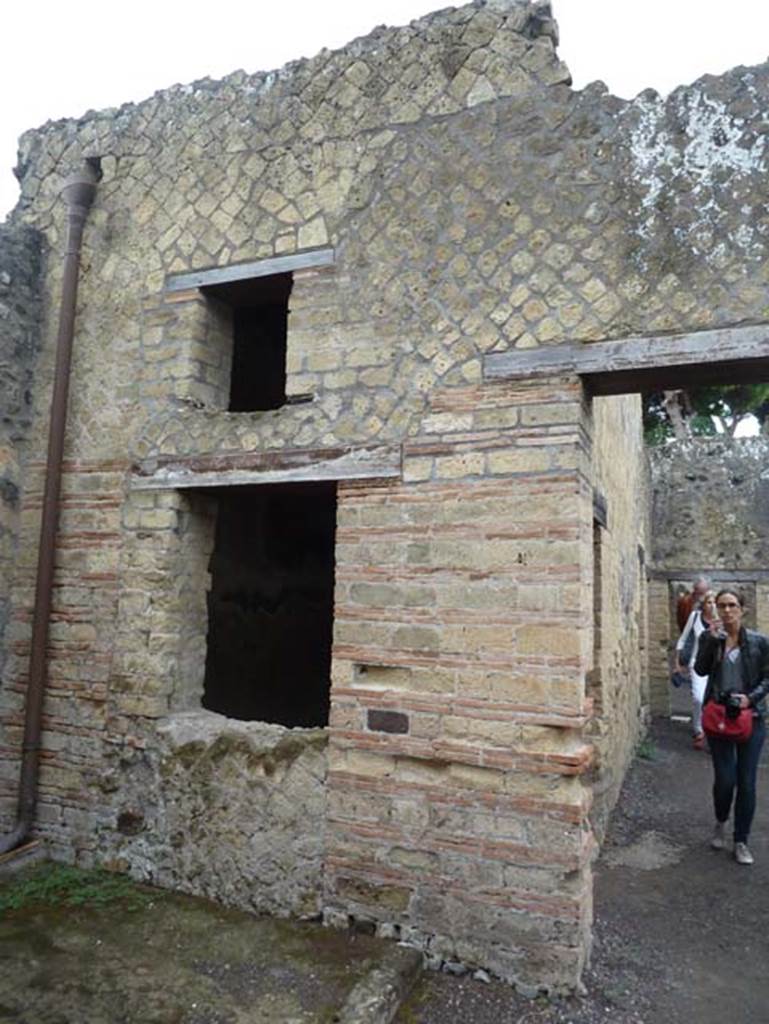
754	665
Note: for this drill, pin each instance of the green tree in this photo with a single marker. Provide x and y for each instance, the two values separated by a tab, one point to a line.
704	411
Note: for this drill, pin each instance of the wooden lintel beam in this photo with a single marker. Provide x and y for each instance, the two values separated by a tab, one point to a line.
714	575
247	271
238	469
728	355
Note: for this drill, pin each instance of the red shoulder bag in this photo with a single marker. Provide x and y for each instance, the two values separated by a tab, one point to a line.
716	722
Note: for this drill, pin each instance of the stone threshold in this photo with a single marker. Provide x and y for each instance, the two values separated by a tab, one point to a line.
378	995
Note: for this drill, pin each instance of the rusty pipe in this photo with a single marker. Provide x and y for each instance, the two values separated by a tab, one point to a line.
78	192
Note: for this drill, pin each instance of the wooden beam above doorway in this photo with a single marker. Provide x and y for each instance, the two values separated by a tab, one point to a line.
216	276
729	355
238	469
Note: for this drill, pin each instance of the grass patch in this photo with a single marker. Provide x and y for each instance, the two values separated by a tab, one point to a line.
61	885
646	749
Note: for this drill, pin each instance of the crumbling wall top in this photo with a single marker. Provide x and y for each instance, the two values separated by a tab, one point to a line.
439	64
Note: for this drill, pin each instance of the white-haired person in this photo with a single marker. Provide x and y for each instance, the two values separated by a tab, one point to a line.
687	646
692	599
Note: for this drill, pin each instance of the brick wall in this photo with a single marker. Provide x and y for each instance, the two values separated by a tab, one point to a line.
661	640
80	648
458	812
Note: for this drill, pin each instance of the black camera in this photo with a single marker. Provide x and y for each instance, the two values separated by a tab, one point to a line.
732	703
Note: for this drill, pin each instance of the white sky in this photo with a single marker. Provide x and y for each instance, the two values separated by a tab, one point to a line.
63	57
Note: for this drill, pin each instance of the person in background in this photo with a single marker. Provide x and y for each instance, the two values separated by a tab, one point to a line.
698	622
686	603
736	662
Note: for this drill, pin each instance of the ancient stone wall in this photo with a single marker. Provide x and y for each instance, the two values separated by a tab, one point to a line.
329	153
710	516
618	680
235	811
20	267
450	196
710	505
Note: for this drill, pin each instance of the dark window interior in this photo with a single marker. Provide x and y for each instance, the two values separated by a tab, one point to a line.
270	608
259	322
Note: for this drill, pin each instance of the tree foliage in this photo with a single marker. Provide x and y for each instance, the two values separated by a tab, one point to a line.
703	412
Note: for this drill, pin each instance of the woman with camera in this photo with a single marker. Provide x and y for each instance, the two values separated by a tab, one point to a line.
736	662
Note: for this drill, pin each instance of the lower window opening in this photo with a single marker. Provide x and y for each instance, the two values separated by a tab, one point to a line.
270	608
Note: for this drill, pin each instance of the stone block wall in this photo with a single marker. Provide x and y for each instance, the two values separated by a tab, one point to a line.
618	680
471	202
234	811
762	606
20	269
710	505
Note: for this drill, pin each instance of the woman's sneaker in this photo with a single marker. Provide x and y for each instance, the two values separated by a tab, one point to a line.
742	854
718	842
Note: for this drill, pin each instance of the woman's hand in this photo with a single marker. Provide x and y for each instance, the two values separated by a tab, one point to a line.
744	702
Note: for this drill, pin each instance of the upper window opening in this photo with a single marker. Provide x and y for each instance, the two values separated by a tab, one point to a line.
259	332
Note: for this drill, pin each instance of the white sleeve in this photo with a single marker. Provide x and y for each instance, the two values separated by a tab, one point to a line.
689	626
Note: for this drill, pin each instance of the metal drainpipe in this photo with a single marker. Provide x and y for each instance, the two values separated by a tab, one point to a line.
78	192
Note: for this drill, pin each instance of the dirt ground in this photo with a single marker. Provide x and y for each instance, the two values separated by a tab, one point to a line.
680	930
174	960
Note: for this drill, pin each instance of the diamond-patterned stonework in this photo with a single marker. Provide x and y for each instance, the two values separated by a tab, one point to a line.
475	202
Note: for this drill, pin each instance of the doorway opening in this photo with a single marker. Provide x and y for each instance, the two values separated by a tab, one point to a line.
270	607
